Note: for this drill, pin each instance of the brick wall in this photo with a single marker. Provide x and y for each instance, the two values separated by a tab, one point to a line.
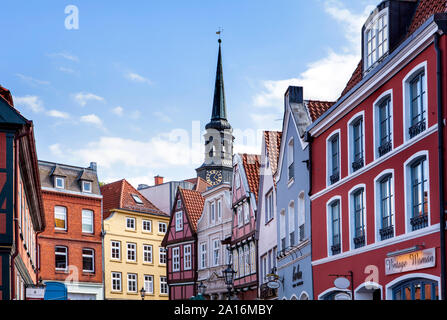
72	238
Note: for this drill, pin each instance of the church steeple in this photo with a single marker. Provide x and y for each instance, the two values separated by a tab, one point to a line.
219	113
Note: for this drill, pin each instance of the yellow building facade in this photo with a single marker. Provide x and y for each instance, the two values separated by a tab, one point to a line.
134	257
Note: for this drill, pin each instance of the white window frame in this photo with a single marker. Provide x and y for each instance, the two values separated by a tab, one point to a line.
329	156
269	206
219	210
290	158
351	216
144	223
64	213
149	283
329	224
92	217
203	255
163	285
371	26
406	92
162	227
376	118
246	212
187	257
179	221
252	258
116	278
56	179
291	213
216	252
351	149
89	189
134	222
131	249
162	255
377	202
137	198
147	253
132	278
240	221
212	207
301	213
115	250
92	256
176	259
61	254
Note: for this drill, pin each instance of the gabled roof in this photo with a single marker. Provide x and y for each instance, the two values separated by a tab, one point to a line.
193	202
273	143
119	195
317	108
252	165
199	184
424	10
8	114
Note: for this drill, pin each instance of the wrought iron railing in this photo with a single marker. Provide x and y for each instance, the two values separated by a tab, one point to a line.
357	164
417	128
385	148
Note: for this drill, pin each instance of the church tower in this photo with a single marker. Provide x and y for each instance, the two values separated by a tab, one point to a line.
218	165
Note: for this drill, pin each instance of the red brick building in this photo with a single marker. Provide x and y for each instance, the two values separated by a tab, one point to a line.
21	209
378	168
71	246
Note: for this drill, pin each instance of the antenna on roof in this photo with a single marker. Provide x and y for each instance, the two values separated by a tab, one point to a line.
218	32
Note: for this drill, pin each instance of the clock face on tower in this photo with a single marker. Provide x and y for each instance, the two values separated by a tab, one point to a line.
214	177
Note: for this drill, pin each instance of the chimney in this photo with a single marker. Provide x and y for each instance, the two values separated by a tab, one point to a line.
93	166
158	180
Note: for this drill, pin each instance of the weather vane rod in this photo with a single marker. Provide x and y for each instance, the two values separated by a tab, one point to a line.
218	32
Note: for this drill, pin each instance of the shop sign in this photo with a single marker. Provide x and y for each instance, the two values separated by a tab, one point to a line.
411	261
35	293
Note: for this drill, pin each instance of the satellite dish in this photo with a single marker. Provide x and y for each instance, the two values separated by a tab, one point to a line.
273	284
342	283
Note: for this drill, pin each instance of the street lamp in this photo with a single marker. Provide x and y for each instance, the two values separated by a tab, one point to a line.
201	288
228	274
143	293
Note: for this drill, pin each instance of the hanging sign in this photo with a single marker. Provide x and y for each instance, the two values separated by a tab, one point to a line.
342	283
411	261
35	292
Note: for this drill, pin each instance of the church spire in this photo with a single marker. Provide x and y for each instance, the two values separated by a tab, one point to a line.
219	113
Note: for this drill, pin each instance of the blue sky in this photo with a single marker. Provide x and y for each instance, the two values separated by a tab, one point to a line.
132	88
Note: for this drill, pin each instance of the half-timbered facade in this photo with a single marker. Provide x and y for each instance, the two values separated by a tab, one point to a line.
21	209
245	187
180	242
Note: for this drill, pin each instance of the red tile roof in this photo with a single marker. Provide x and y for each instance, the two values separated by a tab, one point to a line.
199	184
317	108
424	10
193	202
252	165
118	195
6	94
273	144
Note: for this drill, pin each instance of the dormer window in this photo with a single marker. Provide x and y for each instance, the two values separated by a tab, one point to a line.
375	38
137	199
59	182
87	186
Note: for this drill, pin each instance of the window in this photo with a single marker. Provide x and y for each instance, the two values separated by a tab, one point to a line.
116	281
416	289
212	212
162	255
88	260
162	227
419	194
241	262
252	258
59	182
203	255
246	260
149	284
176	259
290	160
216	250
137	199
116	250
87	221
87	186
301	215
237	179
178	221
356	144
334	214
264	268
132	282
240	221
386	208
282	229
147	253
334	159
376	39
60	218
187	257
61	258
292	224
219	210
131	252
236	263
147	225
163	285
246	212
415	101
359	218
384	126
269	206
130	223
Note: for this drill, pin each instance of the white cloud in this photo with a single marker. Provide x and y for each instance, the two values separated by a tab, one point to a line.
118	111
31	80
58	114
163	117
55	149
65	55
83	97
32	102
67	70
92	119
132	76
324	79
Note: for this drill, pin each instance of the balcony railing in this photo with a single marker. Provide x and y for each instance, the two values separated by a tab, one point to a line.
336	249
385	148
419	222
302	232
335	177
417	128
357	164
386	233
359	241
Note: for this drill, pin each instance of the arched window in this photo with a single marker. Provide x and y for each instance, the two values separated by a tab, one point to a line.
416	289
291	214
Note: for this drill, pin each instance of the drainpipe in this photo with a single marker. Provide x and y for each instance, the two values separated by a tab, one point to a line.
441	164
